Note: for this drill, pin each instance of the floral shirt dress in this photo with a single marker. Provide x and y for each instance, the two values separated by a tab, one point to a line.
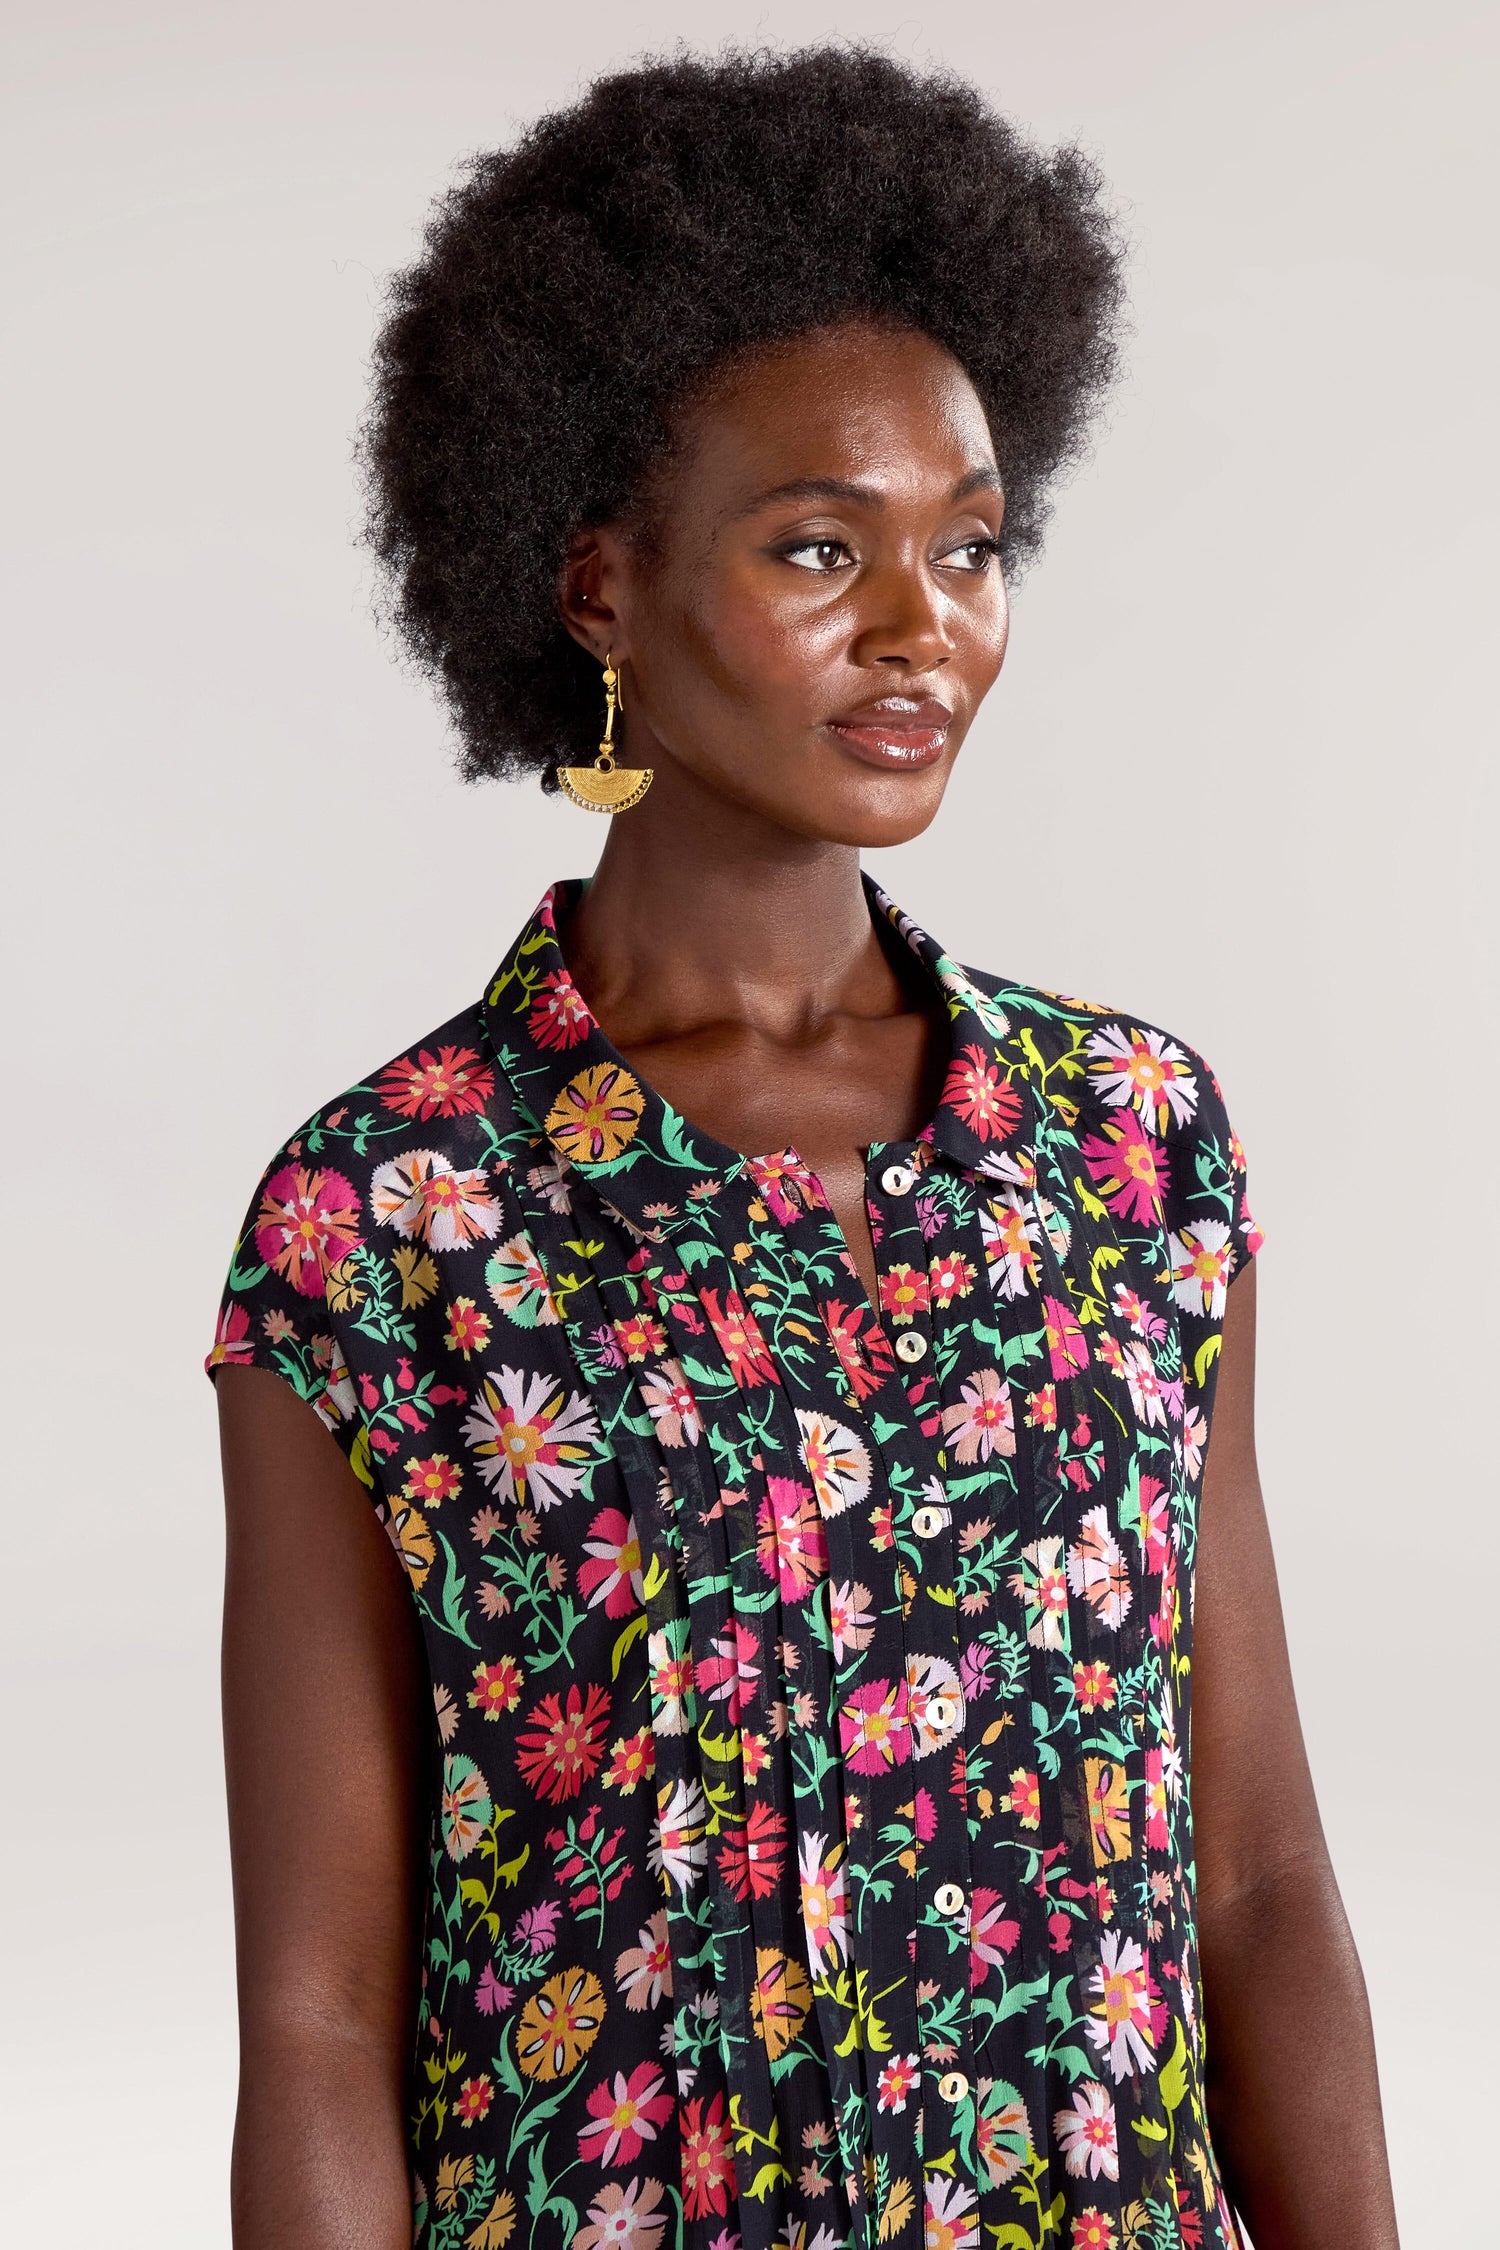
810	1851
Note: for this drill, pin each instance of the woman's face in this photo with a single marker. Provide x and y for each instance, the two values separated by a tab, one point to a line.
820	612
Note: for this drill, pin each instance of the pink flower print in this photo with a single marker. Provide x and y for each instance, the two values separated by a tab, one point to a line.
874	1729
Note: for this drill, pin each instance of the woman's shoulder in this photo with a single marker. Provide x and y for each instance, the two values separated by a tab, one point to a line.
1099	1058
441	1097
1144	1115
341	1229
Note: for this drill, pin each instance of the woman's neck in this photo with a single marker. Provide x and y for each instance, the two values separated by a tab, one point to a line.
703	912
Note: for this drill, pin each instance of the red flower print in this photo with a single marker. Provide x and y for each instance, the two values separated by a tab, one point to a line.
992	1934
740	1340
308	1223
864	1353
474	2098
707	2162
1094	1686
1066	1342
948	1277
903	1293
987	1103
640	1336
497	1687
431	1481
559	1014
751	1858
232	1345
566	1743
457	1084
1129	1168
792	1546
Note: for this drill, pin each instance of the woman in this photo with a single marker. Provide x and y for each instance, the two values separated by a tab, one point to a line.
708	1739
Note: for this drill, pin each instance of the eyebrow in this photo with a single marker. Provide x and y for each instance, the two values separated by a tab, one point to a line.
986	478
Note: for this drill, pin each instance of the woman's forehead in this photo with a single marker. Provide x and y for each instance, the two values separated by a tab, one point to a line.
870	409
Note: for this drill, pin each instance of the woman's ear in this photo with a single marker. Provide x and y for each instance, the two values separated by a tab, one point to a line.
588	593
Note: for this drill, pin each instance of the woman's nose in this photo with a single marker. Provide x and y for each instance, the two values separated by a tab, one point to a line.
905	622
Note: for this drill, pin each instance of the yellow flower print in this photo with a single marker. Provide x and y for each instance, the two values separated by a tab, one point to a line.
454	2173
899	2205
595	1116
496	2227
409	1535
344	1293
419	1276
781	1999
560	2023
1109	1810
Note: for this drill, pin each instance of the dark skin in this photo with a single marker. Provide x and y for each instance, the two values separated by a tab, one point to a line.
766	1008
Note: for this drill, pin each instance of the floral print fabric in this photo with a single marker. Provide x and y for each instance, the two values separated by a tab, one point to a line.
810	1851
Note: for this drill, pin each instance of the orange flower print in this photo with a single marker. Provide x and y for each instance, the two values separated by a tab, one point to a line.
559	2024
780	1999
595	1117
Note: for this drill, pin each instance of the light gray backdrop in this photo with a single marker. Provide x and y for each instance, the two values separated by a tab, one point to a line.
1233	777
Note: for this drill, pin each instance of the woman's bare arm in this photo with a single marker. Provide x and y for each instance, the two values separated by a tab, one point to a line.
1293	2099
327	1721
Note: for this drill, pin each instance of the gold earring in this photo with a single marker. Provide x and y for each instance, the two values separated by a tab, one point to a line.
604	786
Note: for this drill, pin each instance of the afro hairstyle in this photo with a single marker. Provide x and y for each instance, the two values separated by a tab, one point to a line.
573	290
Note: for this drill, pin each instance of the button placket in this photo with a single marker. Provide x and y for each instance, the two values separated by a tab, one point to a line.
943	1871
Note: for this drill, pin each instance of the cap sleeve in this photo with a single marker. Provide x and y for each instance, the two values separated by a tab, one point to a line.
281	1293
1211	1235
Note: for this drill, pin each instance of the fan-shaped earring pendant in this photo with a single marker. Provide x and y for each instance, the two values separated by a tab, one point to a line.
605	788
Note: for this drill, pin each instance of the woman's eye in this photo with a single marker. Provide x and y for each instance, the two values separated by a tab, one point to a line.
974	555
817	554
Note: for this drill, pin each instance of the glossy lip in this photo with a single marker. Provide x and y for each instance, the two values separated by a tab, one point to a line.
901	733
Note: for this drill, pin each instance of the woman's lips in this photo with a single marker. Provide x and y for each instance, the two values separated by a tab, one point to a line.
904	735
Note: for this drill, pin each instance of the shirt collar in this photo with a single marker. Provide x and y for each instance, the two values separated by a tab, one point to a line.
647	1162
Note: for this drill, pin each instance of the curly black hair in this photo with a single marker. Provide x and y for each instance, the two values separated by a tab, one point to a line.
572	291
